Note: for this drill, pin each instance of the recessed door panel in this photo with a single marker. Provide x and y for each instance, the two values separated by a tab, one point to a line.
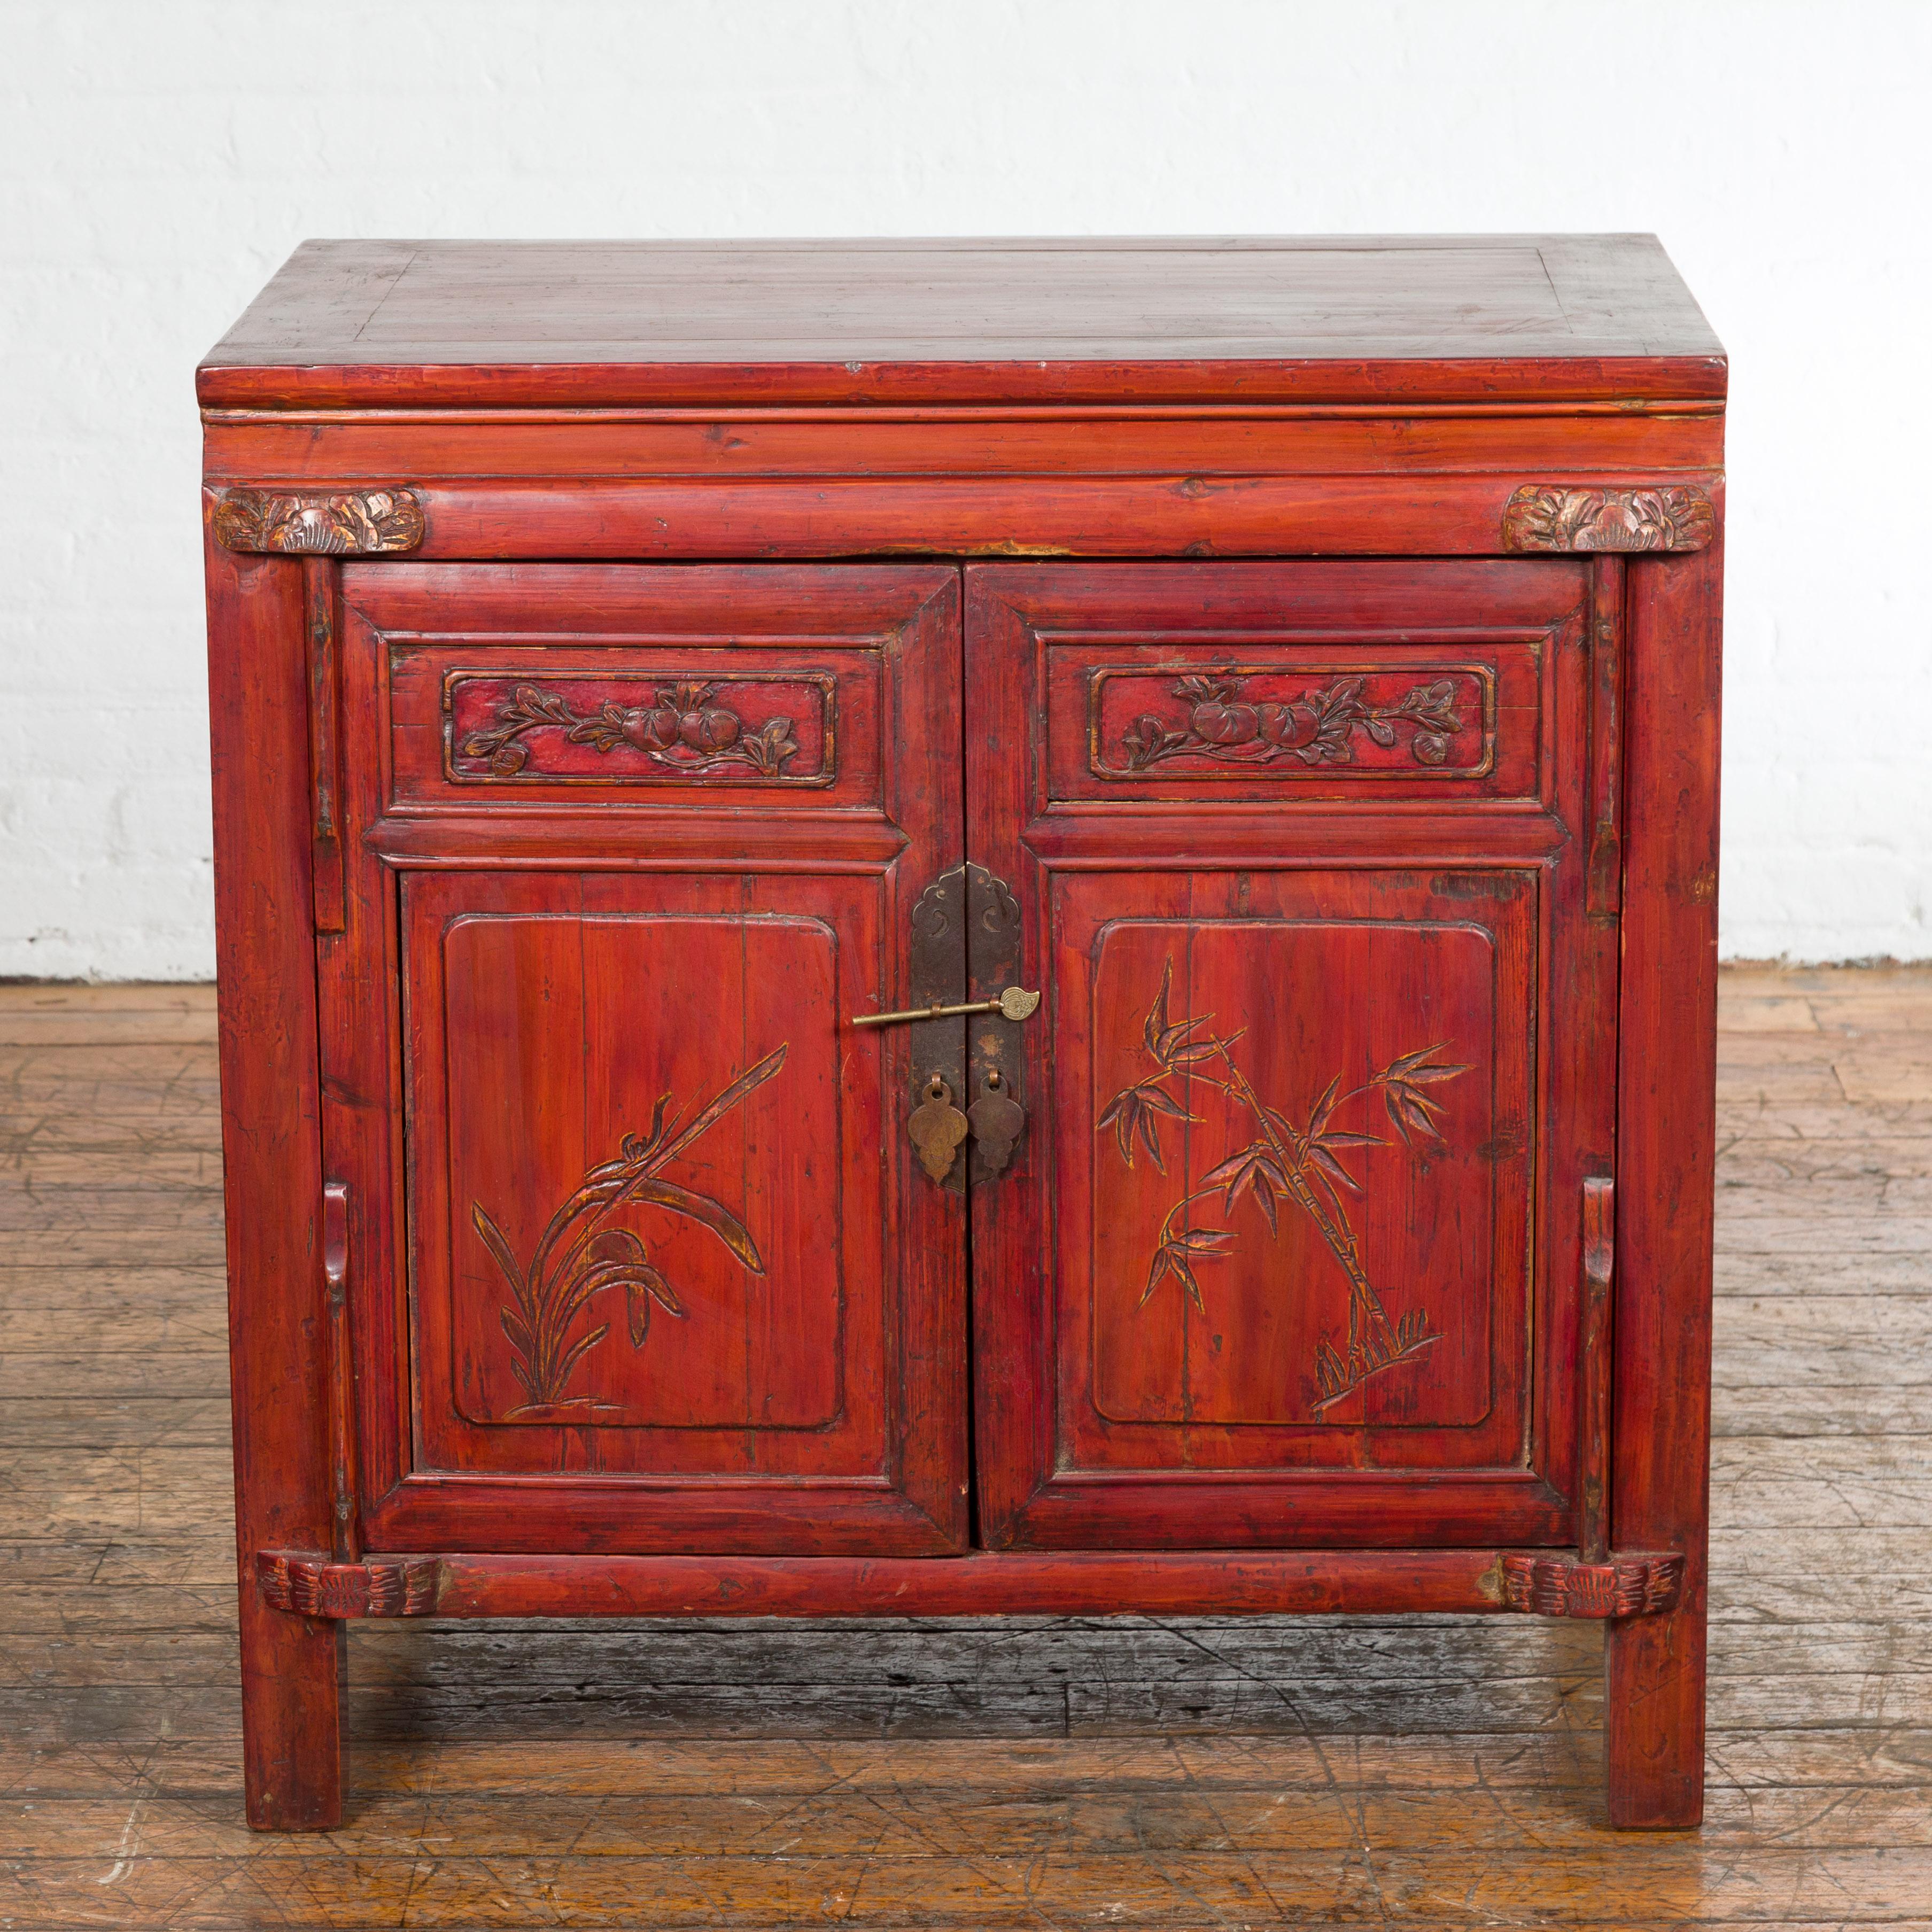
1293	1183
639	1219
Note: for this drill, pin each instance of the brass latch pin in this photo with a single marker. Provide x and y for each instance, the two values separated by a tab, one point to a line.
1013	1004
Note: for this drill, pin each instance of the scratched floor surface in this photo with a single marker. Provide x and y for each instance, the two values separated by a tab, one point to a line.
1436	1774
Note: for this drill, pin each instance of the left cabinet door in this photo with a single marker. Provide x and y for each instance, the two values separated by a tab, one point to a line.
640	1257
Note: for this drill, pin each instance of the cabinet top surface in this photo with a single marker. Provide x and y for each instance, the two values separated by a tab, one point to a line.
1433	319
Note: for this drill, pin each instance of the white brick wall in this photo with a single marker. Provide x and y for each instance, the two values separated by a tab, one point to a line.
160	156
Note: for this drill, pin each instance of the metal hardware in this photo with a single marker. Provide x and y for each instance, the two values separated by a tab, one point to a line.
936	1128
996	955
346	1538
998	1120
1596	1353
966	939
1014	1004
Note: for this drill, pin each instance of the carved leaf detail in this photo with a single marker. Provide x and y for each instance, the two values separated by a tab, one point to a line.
580	1256
1320	728
1135	1111
1304	1165
687	732
1553	517
320	524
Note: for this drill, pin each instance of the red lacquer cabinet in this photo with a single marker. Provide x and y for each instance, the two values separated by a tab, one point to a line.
952	928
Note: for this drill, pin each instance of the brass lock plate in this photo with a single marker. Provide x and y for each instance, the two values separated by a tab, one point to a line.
936	1128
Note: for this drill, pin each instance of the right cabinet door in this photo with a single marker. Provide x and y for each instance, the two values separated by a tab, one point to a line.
1302	856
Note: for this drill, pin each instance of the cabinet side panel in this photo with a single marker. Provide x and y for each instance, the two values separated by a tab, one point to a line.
271	1164
1667	1139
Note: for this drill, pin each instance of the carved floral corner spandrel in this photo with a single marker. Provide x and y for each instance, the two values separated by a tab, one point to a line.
1542	516
310	1586
334	523
1557	1584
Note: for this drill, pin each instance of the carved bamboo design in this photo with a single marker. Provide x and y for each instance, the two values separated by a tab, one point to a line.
1302	1165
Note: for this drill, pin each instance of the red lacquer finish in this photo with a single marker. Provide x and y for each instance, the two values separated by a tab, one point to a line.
1268	1282
273	1176
1666	1153
665	1280
1427	318
712	644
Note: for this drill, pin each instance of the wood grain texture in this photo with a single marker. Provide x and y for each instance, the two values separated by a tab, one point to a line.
440	447
1027	1741
1666	1150
947	1774
633	782
1207	1414
1457	512
271	1108
1435	318
325	723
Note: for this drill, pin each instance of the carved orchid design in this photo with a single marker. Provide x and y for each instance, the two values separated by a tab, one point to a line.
580	1256
1305	1164
684	730
1318	728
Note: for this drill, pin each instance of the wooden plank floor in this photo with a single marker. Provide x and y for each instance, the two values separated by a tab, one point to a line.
1038	1774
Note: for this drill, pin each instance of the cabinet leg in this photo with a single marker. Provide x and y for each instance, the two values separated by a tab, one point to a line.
1654	1720
291	1718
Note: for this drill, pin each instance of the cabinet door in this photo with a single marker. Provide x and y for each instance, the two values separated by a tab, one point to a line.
639	1257
1290	1253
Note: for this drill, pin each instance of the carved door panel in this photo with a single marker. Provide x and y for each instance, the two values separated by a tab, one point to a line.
639	1257
1289	1255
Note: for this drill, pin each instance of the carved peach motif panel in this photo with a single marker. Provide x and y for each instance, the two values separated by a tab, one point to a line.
631	1241
639	728
1299	1160
1298	719
1285	721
